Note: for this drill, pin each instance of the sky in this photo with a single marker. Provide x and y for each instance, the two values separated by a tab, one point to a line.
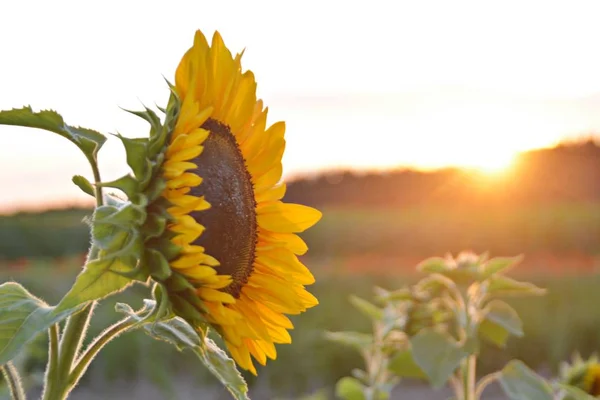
361	85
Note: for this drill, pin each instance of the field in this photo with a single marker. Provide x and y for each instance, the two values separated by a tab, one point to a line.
350	251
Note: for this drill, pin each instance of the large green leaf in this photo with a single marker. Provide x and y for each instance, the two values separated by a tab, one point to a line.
405	366
437	354
358	340
349	388
89	141
574	393
500	313
99	279
493	333
180	334
521	383
22	317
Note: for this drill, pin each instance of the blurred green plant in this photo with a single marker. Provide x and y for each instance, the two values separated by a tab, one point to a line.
434	330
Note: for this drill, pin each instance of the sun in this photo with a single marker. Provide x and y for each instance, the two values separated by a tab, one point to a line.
491	163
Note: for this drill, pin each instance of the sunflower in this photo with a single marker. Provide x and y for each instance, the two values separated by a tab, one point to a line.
591	379
236	266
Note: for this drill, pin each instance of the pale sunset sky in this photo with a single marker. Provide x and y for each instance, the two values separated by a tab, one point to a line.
364	84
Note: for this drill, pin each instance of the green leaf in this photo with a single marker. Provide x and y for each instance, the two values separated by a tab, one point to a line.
127	184
504	286
183	336
493	333
83	184
99	279
574	393
22	317
404	365
434	265
358	340
502	314
368	309
437	354
87	140
136	150
402	294
499	264
521	383
349	388
223	367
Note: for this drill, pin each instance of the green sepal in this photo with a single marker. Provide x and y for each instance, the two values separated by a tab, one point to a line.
166	247
89	141
129	216
185	310
149	116
178	283
154	226
157	264
155	189
127	184
164	308
147	177
157	143
136	150
193	299
83	184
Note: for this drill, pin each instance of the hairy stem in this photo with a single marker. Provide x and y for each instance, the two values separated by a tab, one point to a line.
484	382
468	377
97	189
52	368
99	342
13	381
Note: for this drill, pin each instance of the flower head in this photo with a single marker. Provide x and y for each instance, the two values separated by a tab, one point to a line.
217	235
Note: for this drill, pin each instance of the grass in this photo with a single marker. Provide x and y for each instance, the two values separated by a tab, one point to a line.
563	321
425	231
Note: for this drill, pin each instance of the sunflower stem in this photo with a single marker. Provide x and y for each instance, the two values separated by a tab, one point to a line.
92	350
70	343
97	188
13	381
52	369
468	376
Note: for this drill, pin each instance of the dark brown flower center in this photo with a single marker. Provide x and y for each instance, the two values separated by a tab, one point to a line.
231	231
595	389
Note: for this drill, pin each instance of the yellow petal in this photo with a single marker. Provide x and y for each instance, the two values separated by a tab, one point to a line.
215	295
287	217
187	179
272	194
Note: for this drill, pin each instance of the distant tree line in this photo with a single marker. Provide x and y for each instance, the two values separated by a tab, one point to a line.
566	173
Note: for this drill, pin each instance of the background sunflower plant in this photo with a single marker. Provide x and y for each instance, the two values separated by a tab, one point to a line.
202	223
